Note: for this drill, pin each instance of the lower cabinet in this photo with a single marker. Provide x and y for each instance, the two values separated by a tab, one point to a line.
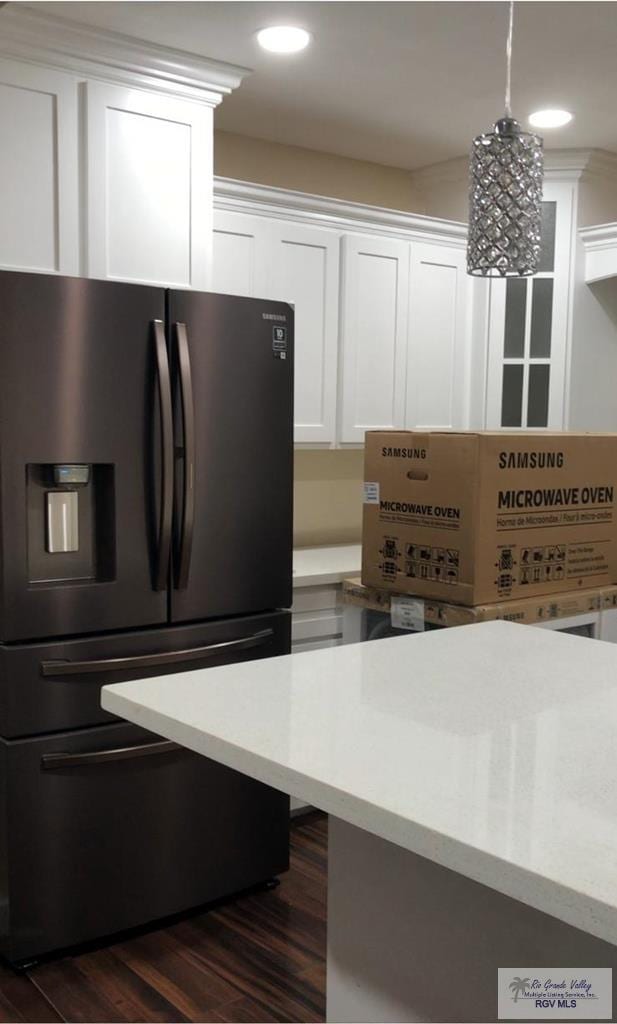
316	622
317	617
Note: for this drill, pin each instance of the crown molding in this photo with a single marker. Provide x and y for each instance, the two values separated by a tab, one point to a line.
598	237
600	246
302	207
575	164
40	38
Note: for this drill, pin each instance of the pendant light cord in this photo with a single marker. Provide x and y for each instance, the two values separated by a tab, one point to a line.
509	60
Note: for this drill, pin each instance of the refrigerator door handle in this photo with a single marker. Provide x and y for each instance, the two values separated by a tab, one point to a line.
185	542
49	762
69	668
167	456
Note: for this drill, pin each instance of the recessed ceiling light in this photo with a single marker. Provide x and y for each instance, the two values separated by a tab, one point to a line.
283	38
550	118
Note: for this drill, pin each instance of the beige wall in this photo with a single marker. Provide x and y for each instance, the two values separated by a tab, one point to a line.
307	170
597	202
328	497
443	189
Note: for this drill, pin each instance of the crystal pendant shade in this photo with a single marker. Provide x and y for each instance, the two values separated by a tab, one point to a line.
505	197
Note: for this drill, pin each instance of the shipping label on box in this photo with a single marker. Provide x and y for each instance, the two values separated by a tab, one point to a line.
479	517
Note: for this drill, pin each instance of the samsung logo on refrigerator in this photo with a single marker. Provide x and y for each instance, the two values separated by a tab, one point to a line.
274	316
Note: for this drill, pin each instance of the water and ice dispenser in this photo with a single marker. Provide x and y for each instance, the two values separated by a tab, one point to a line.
62	508
71	522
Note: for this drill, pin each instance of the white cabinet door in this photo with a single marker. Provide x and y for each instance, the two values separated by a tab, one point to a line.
240	254
437	350
529	323
304	270
149	187
374	335
39	184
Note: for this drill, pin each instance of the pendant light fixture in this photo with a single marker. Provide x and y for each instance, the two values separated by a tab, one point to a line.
505	195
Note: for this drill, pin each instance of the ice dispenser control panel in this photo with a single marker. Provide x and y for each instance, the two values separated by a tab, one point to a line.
71	475
62	518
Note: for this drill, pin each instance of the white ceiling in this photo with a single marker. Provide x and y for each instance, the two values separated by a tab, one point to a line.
406	84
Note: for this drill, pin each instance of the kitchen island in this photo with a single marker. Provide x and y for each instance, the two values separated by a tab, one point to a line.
471	779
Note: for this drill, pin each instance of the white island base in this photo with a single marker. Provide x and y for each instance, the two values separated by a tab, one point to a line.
409	940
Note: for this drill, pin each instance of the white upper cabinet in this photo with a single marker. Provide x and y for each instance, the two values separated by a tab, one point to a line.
39	184
374	335
149	187
106	166
268	258
304	270
437	350
529	324
240	254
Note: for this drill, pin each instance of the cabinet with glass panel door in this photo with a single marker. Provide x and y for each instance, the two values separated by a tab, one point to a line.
528	329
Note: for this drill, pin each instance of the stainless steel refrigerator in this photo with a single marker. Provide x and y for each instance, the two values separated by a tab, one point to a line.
145	527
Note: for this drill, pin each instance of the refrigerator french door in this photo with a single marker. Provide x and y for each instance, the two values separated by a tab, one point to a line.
159	441
79	386
145	528
233	541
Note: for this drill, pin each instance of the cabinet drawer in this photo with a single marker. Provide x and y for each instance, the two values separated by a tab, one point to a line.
299	646
313	599
309	625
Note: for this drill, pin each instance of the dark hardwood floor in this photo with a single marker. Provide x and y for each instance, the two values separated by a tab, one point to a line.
259	958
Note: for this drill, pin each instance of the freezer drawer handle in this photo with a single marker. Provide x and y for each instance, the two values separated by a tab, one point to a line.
167	456
243	643
49	762
185	542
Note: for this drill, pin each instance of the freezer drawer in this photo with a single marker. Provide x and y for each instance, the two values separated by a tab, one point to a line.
56	685
97	838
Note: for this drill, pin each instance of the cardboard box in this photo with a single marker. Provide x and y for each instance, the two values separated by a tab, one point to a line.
474	518
527	610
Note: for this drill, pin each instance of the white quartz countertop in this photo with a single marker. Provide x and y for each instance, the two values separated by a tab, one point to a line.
331	564
490	749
